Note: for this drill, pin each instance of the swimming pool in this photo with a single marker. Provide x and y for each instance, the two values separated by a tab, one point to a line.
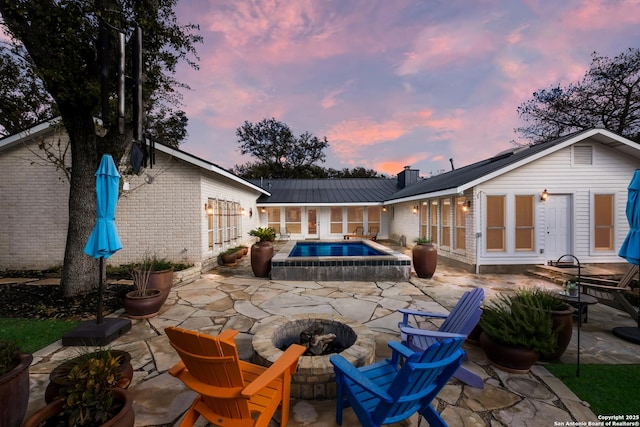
335	260
339	249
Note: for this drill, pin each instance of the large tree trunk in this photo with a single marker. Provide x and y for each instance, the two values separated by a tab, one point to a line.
81	272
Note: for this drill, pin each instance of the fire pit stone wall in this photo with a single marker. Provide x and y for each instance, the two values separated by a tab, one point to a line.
314	378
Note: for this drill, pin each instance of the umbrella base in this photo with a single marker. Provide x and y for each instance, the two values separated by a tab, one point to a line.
91	333
631	334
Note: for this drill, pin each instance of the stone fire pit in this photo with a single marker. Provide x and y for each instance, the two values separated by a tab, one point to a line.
315	378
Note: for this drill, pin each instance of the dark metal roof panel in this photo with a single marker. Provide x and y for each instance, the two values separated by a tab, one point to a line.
327	191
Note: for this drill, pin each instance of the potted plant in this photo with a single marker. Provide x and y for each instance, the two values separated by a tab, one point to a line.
14	383
570	288
425	257
161	276
515	335
262	250
561	316
59	376
92	397
229	256
144	301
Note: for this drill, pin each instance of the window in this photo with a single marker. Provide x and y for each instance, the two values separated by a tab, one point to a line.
354	218
228	215
495	224
461	224
525	229
336	220
273	218
210	224
373	219
219	212
424	218
445	220
293	220
603	222
433	220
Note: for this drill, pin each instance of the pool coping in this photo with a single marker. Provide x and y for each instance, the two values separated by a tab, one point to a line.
393	265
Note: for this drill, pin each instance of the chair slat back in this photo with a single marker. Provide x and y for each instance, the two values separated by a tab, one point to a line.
419	380
461	319
215	362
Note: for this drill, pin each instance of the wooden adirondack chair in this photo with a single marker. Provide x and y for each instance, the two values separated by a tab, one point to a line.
612	293
392	390
459	323
231	392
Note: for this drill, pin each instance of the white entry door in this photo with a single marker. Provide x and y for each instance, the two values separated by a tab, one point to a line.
558	222
312	223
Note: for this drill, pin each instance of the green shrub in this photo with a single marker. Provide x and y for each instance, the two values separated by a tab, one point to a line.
519	325
265	234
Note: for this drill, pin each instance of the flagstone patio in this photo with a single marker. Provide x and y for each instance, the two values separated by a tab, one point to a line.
231	298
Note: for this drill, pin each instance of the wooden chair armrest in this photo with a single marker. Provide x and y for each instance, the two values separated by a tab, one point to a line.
428	333
288	360
208	389
605	287
227	335
343	367
177	369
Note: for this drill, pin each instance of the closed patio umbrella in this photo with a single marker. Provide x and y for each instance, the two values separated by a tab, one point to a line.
103	242
630	249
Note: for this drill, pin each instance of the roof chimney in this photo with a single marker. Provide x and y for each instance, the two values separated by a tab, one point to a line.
451	161
407	177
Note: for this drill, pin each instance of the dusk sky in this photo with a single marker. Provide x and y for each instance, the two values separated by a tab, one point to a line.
389	83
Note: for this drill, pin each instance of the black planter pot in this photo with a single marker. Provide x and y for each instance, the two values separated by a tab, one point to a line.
425	260
14	392
563	325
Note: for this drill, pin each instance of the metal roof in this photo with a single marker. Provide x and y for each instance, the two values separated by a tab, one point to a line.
343	191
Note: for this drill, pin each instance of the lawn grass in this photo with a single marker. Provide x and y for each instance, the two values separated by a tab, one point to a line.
609	389
33	334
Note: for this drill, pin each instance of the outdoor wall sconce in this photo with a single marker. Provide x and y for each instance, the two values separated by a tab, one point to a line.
466	206
250	212
384	209
415	209
208	209
544	195
263	210
241	211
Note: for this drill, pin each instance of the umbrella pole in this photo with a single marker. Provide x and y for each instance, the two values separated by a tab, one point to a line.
100	290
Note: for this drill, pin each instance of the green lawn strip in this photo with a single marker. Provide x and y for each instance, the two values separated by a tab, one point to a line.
33	334
609	389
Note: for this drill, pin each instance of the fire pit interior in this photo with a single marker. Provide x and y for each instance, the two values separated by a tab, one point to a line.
323	335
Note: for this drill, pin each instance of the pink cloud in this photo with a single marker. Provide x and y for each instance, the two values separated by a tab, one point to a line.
601	14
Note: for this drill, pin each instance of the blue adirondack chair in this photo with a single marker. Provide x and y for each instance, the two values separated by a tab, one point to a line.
394	389
459	323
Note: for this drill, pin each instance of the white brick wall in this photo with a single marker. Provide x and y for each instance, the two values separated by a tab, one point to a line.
165	217
33	209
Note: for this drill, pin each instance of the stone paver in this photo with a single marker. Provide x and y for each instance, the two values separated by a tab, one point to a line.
233	298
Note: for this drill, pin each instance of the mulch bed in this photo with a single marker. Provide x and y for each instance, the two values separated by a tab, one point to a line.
48	301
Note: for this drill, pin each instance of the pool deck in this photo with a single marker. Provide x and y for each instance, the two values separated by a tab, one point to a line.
231	298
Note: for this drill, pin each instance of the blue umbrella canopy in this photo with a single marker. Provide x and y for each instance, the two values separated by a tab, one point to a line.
630	249
104	241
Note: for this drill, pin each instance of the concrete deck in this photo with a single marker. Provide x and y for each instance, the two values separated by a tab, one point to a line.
232	298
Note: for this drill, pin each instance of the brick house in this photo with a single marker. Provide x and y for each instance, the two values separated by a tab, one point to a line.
487	216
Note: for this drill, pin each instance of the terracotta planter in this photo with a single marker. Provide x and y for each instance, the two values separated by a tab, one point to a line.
516	360
161	280
261	254
143	306
563	325
228	259
124	418
14	392
245	250
58	377
425	259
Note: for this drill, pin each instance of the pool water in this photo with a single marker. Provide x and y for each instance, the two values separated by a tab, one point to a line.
309	249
